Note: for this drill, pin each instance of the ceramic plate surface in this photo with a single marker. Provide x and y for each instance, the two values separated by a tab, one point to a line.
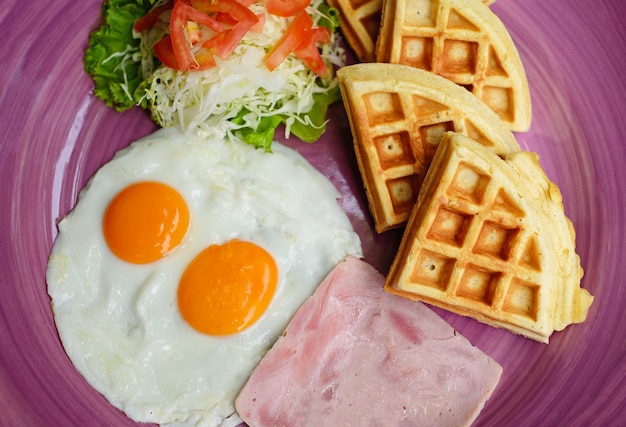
55	134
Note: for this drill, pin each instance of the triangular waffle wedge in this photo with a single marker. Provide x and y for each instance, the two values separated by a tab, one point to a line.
360	23
489	239
397	115
464	41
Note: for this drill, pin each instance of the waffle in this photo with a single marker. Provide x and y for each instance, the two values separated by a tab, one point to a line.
397	115
489	239
360	23
464	41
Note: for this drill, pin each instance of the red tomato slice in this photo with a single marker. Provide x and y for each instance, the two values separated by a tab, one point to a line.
205	60
245	18
286	7
308	52
180	45
229	21
321	35
294	35
214	41
164	52
202	18
226	19
200	4
258	27
150	19
231	39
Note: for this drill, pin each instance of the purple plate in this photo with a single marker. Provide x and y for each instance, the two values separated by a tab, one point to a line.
56	134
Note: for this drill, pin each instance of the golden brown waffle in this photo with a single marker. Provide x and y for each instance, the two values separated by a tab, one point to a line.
489	239
360	23
397	115
464	41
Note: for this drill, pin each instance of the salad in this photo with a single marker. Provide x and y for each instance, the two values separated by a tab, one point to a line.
232	69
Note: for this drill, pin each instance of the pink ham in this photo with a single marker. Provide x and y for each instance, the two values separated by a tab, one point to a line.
354	355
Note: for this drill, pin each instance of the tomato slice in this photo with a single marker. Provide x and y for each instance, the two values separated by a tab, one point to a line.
213	42
150	19
228	39
229	21
164	52
202	18
205	60
178	35
321	35
301	38
295	33
286	7
308	52
258	27
225	18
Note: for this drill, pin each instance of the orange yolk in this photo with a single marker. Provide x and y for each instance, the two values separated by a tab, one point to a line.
227	287
145	222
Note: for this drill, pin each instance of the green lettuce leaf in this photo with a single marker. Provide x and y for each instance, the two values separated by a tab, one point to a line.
309	131
317	116
263	135
331	17
108	58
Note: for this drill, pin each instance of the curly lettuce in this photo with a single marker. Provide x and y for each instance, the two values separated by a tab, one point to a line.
112	57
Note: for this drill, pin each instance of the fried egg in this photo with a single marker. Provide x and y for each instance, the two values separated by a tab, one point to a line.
182	263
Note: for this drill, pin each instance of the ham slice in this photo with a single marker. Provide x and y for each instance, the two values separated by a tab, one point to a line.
355	355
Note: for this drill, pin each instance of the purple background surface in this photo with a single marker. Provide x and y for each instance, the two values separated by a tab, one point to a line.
55	135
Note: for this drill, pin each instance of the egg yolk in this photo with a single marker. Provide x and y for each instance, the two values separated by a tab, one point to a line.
145	221
227	287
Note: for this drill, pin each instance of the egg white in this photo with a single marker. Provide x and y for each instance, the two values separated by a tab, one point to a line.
119	322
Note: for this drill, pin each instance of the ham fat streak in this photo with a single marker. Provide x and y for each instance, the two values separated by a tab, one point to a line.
354	355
